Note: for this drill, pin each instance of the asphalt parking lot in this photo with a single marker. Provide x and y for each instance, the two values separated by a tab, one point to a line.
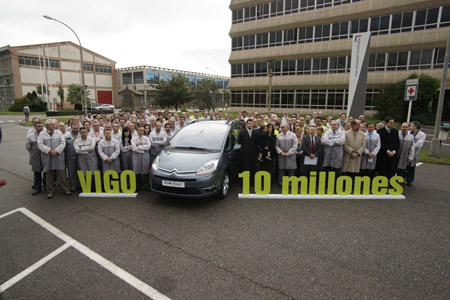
221	249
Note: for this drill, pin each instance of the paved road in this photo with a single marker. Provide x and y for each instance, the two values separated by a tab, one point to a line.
229	249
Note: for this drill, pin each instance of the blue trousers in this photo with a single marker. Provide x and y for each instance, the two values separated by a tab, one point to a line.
39	181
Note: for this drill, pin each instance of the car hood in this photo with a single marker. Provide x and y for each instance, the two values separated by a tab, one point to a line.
185	160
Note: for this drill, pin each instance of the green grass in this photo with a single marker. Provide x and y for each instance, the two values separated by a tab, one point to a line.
62	119
425	158
16	113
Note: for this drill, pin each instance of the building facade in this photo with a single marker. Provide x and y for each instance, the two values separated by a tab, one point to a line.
144	79
302	49
23	68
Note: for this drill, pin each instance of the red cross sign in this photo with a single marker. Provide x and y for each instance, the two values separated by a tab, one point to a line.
411	89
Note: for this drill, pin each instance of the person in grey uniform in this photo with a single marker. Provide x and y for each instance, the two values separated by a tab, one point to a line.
158	139
406	151
126	160
51	143
333	151
35	157
141	159
369	157
109	151
419	140
71	156
85	148
286	147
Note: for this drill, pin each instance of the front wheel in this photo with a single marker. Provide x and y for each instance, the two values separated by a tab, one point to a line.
225	186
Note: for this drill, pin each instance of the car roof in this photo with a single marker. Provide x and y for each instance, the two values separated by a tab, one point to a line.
224	122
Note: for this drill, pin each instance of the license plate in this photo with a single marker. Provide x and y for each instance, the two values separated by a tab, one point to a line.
177	184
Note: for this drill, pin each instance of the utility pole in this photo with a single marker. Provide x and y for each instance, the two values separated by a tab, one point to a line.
435	143
270	73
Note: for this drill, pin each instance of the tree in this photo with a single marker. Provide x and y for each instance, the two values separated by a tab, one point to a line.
390	101
61	94
39	90
206	94
30	99
75	95
174	92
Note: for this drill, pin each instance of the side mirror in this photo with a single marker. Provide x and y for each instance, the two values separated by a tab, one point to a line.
237	147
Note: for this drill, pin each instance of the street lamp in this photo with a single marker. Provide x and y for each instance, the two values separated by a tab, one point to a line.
82	64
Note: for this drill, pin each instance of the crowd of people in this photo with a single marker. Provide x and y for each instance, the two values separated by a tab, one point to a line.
287	145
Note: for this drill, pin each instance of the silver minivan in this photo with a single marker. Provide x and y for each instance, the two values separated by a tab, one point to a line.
200	160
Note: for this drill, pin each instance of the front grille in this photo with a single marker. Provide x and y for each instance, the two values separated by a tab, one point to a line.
174	190
175	179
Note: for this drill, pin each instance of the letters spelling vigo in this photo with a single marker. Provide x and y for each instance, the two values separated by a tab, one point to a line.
111	182
342	186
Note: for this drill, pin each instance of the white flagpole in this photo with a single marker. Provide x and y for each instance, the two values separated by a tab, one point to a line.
40	73
50	79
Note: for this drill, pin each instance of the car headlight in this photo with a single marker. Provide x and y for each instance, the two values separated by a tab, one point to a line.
209	167
155	164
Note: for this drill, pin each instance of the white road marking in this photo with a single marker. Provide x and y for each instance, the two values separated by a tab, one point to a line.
12	121
419	164
23	127
2	121
319	197
32	268
114	269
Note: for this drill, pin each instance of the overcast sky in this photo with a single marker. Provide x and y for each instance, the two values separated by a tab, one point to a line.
186	35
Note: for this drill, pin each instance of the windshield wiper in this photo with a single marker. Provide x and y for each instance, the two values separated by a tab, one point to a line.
194	148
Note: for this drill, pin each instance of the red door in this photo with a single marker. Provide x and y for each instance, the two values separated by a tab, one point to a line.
104	97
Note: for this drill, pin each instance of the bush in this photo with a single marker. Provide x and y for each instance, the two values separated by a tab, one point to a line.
32	100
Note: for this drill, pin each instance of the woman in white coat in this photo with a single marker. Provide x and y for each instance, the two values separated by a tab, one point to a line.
140	146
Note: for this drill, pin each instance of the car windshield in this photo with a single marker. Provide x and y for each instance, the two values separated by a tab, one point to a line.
200	136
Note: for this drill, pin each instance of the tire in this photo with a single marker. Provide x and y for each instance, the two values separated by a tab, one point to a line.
224	186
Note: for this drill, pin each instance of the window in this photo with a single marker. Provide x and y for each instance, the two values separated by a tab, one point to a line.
36	62
445	17
261	69
127	78
290	36
414	60
379	25
249	42
152	77
236	71
250	13
249	70
236	43
426	18
360	26
166	77
191	79
305	35
306	5
288	67
103	69
322	33
401	22
262	40
88	67
263	10
291	6
138	77
276	8
276	38
304	66
340	31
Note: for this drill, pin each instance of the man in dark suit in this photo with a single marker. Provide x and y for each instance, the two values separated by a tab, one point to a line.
311	148
247	140
390	143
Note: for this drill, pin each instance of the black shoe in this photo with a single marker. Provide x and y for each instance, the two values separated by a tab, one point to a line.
68	193
50	195
35	192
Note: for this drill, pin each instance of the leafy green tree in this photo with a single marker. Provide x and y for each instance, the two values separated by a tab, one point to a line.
30	99
174	92
75	95
61	94
390	101
39	90
206	94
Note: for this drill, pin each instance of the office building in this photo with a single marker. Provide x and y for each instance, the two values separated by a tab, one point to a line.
23	68
307	45
144	80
